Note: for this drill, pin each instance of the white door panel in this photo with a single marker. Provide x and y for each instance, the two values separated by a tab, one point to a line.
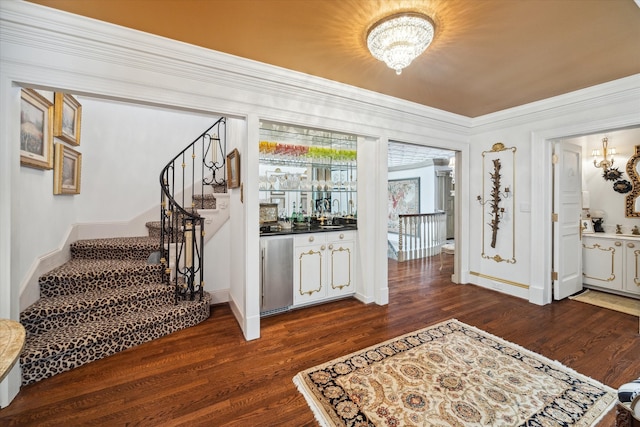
567	202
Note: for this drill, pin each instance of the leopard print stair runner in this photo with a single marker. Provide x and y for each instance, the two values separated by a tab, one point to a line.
106	299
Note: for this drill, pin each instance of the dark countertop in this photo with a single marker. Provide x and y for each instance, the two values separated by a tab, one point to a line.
312	229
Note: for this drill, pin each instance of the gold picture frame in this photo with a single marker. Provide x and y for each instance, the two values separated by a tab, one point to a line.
233	169
67	170
36	130
67	118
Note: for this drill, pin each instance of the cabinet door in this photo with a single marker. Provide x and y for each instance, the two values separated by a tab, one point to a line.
309	274
340	259
632	279
602	262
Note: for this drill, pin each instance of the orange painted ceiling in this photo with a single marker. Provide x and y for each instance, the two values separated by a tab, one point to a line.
487	55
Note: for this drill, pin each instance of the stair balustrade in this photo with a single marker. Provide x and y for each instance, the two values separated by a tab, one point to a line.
421	235
199	168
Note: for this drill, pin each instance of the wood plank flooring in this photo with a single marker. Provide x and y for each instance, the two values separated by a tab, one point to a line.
209	375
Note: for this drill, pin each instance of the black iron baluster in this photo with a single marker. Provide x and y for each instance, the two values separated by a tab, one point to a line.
179	223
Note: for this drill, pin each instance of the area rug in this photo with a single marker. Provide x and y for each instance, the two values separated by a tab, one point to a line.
610	301
451	374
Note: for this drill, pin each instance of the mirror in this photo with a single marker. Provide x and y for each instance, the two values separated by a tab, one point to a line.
633	198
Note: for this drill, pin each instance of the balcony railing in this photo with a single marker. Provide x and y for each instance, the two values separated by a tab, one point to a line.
421	235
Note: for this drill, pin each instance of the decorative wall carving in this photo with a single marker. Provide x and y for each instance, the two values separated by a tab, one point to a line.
498	209
633	198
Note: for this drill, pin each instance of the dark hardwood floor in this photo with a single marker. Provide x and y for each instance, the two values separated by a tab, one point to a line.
209	375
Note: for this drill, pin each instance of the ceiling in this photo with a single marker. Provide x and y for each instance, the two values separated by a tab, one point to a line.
487	55
402	155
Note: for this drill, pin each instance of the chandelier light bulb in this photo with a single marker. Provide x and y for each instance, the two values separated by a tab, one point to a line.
399	39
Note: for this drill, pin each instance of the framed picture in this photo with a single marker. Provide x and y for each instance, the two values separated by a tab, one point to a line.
268	213
233	169
404	198
36	130
587	226
67	118
67	170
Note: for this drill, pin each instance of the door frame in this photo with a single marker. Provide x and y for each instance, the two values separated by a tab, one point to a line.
540	291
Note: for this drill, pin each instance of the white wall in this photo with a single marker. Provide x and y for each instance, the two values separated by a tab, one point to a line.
531	129
124	148
601	194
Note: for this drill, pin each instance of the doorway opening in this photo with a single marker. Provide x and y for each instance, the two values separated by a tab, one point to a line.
597	204
421	202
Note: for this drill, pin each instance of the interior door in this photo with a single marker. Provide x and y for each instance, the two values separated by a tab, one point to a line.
567	205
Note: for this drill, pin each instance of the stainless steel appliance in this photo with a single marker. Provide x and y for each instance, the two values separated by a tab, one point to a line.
276	274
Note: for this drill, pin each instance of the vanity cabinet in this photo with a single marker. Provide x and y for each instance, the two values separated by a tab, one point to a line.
610	263
632	270
323	266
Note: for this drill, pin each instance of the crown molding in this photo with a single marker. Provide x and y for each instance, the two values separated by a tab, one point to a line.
621	91
240	86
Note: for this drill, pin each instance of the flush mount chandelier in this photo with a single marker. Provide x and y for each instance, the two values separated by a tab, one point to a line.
399	39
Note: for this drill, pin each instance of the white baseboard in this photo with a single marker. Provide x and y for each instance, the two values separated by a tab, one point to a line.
219	296
29	288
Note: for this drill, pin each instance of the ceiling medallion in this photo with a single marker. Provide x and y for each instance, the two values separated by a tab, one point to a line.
399	39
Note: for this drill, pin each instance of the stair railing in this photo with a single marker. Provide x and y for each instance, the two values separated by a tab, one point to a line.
421	235
199	166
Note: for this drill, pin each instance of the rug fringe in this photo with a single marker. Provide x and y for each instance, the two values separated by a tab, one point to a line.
317	411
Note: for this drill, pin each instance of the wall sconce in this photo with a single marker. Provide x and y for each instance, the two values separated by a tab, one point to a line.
605	163
506	194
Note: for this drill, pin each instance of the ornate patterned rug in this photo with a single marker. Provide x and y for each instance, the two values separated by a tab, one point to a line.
451	374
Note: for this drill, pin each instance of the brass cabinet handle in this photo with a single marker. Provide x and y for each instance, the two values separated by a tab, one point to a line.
631	245
618	244
323	247
311	238
342	235
330	246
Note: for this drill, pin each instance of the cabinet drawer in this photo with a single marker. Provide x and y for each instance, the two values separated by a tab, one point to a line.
310	239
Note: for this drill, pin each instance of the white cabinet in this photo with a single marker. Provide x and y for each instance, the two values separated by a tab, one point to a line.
340	257
309	269
632	262
323	266
610	262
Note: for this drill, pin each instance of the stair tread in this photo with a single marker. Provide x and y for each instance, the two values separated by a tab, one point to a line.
92	298
69	338
107	241
80	266
139	247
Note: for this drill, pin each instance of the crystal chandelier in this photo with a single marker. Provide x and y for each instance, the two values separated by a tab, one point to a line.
399	39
